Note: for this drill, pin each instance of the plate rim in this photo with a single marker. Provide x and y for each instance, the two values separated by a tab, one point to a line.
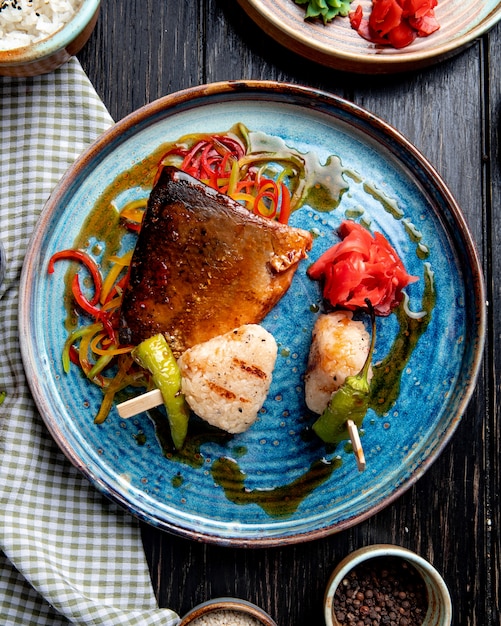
303	97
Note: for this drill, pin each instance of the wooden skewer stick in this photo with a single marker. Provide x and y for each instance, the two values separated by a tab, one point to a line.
357	445
139	404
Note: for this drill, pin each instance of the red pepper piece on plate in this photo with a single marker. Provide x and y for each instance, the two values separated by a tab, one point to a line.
361	267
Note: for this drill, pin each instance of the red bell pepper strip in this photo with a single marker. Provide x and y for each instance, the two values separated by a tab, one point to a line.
90	264
82	301
92	310
285	207
73	354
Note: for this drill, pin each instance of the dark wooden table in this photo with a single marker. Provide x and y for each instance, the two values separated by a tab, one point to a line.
451	112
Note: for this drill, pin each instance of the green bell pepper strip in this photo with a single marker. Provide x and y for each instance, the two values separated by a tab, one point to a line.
154	355
350	401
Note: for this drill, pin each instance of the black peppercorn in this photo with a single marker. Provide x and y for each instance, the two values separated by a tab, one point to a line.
383	590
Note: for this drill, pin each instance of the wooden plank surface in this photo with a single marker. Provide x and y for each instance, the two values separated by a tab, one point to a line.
451	113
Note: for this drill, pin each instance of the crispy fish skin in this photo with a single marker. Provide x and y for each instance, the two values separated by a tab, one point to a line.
204	265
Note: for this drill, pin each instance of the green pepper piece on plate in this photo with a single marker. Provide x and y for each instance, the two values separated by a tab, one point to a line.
154	355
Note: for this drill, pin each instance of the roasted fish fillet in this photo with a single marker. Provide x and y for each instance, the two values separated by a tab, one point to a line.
204	265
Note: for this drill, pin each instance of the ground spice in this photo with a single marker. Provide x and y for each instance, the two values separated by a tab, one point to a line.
225	618
381	591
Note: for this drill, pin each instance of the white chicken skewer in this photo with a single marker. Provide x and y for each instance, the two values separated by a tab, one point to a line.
340	347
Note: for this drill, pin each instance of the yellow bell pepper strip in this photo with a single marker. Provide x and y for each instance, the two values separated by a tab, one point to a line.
349	402
154	355
125	377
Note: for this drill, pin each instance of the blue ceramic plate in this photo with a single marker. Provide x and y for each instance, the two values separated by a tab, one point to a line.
281	485
337	45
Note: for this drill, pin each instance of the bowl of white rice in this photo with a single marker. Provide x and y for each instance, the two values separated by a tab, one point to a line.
227	612
38	36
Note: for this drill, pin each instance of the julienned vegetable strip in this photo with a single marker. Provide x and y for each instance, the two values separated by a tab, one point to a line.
132	214
220	162
88	261
119	263
73	338
127	375
94	347
285	209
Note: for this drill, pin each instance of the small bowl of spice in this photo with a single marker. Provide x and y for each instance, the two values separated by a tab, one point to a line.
227	612
38	36
386	584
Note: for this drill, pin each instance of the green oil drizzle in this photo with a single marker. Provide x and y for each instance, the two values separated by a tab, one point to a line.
280	501
140	438
422	251
240	451
354	213
319	185
412	231
389	204
385	384
355	176
177	480
200	432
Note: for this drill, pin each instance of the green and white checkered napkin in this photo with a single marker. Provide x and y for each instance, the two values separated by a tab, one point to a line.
69	555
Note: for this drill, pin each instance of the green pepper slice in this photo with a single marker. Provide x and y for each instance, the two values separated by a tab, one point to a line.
155	355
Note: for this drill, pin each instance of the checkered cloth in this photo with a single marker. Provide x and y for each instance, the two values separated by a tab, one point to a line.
69	555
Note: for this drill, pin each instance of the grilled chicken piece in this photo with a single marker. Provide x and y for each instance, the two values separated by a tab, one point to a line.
226	380
204	265
339	349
